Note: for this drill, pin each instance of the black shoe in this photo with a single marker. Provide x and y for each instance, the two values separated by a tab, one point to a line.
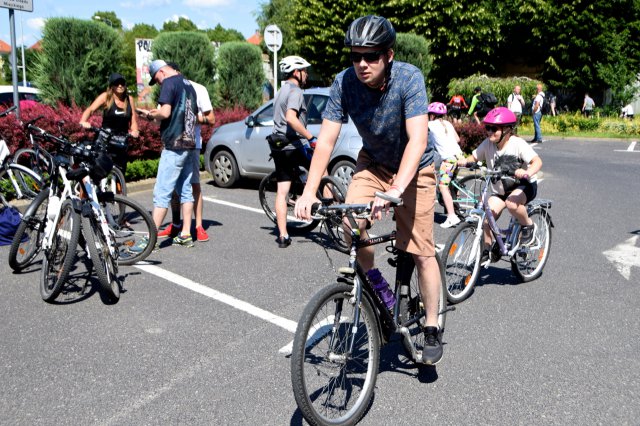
527	235
432	351
283	242
532	141
484	257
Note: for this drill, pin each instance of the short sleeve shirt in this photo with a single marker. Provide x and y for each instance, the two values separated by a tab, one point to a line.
379	115
204	105
488	152
178	131
443	136
289	97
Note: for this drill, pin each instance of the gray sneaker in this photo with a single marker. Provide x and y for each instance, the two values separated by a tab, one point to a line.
432	351
527	235
140	245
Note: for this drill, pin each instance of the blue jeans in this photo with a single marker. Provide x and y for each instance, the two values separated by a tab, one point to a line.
174	173
537	116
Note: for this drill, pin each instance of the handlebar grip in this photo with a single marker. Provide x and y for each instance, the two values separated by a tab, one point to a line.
393	200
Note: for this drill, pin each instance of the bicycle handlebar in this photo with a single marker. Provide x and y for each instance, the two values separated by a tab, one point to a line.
8	111
361	211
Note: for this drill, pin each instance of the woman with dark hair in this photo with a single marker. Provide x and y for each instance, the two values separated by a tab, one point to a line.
117	115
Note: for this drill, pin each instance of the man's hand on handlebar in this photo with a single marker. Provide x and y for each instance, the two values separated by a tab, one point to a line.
303	206
380	204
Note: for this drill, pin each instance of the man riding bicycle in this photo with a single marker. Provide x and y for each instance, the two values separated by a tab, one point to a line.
387	102
287	149
505	150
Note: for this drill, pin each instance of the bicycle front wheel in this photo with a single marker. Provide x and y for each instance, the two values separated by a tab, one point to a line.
27	241
527	263
59	258
412	312
331	191
267	194
461	260
333	383
132	227
103	263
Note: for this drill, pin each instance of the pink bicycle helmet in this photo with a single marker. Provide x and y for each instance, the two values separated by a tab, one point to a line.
500	116
437	108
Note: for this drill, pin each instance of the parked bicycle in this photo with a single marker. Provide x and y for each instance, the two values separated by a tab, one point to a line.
330	189
16	181
465	191
51	222
463	251
336	347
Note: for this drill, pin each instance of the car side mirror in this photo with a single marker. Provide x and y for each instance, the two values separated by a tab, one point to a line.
250	121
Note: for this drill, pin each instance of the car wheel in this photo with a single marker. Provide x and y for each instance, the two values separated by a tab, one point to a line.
343	171
224	168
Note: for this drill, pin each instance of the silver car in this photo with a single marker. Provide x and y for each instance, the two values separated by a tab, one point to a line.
240	149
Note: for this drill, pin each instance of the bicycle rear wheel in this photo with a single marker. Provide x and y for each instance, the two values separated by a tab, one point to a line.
13	178
411	309
331	191
461	261
59	259
103	263
527	263
468	194
130	223
27	241
330	384
267	194
40	162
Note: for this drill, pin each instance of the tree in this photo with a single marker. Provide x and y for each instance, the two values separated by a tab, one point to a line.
182	24
76	60
222	35
193	53
240	74
108	18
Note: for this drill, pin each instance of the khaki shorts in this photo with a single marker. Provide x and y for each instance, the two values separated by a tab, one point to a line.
414	219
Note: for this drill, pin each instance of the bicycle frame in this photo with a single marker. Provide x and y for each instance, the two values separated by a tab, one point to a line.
90	197
56	198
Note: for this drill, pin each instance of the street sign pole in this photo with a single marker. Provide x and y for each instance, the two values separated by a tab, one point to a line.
273	40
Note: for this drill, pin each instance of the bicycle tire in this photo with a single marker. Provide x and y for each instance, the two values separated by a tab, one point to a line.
27	241
333	224
473	185
59	258
527	263
29	182
461	260
412	308
115	183
103	263
41	163
329	386
129	228
267	194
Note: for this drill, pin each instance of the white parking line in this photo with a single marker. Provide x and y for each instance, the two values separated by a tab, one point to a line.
219	296
630	148
238	206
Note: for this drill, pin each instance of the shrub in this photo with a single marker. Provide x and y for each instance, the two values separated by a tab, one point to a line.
240	75
194	54
501	87
471	135
76	60
414	49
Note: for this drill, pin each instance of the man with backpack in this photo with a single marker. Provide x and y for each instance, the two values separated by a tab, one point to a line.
481	104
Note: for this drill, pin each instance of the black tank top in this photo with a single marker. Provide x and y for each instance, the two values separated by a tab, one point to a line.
117	119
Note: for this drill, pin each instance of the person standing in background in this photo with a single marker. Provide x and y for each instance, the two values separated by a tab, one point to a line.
515	102
536	111
588	105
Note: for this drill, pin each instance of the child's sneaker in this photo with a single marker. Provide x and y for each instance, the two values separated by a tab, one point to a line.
201	234
184	240
140	245
527	235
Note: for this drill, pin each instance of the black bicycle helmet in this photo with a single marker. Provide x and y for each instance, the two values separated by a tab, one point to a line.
370	31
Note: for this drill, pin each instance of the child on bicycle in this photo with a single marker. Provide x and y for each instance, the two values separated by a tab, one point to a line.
445	140
503	149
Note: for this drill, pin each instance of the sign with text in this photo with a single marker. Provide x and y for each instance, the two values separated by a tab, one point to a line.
23	5
143	59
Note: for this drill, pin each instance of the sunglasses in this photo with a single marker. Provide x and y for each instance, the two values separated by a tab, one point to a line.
367	56
492	129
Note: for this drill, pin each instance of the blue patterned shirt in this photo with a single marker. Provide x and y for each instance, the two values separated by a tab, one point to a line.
379	115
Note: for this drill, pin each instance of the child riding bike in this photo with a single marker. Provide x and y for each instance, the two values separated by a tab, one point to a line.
505	150
445	140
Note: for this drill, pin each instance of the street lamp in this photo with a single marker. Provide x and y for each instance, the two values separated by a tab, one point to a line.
100	18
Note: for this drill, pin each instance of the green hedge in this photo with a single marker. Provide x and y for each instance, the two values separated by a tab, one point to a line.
501	87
